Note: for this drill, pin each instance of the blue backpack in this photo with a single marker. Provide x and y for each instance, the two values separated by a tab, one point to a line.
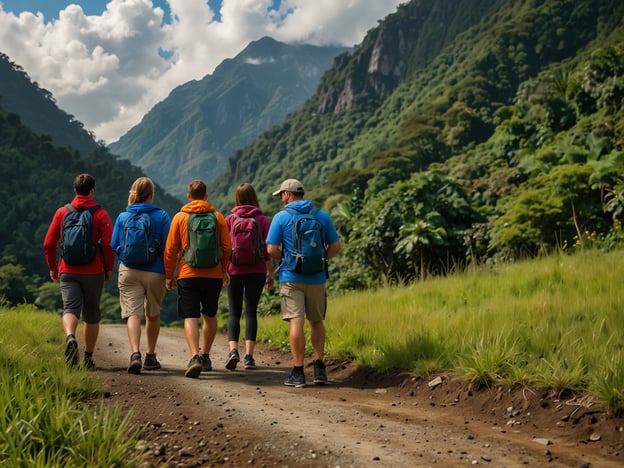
308	245
140	246
77	246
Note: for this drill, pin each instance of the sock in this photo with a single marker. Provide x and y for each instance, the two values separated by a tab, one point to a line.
298	369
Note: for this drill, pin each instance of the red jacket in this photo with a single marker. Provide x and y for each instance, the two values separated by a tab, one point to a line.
102	232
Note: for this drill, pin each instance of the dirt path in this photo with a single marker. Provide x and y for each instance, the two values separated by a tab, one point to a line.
248	417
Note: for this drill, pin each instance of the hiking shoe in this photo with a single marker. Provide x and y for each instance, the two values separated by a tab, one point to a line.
194	367
88	363
206	363
232	360
295	379
135	364
249	362
71	351
320	373
151	363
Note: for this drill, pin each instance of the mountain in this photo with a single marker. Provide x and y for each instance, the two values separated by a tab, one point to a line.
191	133
509	111
38	110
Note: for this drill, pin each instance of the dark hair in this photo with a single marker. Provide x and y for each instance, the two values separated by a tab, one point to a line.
141	190
83	184
246	195
197	189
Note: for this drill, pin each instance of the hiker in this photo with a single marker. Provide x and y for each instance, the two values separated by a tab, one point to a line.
82	230
199	246
249	270
302	274
139	237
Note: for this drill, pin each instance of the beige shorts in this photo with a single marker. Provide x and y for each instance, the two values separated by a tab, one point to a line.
303	300
140	292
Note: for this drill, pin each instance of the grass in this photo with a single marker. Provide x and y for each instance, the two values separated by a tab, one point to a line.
47	414
552	323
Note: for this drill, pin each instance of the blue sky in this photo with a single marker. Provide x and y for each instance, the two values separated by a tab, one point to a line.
108	70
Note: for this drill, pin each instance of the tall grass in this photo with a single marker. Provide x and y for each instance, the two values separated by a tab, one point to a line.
45	416
551	323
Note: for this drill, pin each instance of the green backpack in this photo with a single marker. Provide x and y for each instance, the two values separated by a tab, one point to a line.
204	250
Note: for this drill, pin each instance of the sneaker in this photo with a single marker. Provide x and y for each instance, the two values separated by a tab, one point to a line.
206	363
88	363
194	367
295	380
71	351
320	373
151	363
249	362
232	360
135	363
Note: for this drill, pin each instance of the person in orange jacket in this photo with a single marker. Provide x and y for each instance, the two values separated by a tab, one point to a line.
81	285
198	288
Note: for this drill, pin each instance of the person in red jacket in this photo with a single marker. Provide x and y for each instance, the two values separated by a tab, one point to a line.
81	285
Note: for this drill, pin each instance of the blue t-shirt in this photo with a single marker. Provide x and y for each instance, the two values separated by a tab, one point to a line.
280	234
161	223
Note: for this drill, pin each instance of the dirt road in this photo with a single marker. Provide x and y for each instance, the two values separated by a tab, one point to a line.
361	418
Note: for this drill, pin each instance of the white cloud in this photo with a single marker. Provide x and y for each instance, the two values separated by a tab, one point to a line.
107	71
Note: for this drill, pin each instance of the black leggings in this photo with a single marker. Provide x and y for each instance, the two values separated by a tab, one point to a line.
248	287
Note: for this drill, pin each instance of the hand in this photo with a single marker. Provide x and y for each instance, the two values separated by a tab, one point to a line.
171	284
54	276
269	283
226	279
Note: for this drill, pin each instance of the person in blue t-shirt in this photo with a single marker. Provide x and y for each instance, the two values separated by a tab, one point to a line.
303	295
142	287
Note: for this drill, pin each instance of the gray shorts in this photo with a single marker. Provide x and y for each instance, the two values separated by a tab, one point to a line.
303	300
140	292
81	295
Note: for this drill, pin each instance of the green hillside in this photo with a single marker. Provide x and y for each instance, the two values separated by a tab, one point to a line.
456	131
36	177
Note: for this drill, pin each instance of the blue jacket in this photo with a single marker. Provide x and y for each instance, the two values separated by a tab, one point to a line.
280	233
161	223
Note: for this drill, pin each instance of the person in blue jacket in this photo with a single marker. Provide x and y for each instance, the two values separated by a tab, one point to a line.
142	284
303	295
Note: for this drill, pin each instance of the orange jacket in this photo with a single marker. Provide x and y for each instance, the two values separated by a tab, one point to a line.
178	242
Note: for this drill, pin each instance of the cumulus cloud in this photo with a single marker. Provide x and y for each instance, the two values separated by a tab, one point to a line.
109	70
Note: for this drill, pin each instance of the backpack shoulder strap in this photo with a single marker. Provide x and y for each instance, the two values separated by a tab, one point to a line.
69	207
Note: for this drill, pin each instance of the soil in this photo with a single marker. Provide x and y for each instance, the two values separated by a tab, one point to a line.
360	418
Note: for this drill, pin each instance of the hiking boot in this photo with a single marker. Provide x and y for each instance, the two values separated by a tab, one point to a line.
135	364
88	363
295	379
320	373
206	363
232	360
71	351
194	367
249	362
151	363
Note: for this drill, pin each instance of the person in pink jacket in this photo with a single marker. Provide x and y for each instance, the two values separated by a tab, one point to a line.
198	288
246	281
81	285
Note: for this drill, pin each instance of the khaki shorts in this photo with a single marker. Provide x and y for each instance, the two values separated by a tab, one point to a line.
303	300
140	292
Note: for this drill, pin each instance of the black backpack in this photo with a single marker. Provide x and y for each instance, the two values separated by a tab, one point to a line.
77	247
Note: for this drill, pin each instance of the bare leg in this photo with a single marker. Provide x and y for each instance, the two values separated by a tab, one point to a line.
297	340
133	325
191	333
152	330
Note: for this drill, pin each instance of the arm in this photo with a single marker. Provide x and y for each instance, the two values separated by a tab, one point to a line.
333	249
